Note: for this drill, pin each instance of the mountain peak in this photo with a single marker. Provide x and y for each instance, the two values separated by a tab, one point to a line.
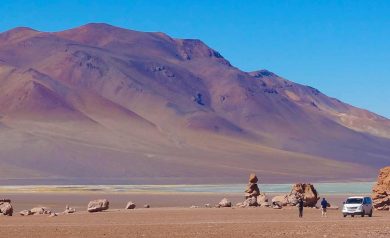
18	32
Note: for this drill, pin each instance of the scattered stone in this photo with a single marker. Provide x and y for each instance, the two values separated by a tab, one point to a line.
146	206
276	206
69	210
381	191
193	206
225	203
333	208
207	205
262	198
265	204
40	211
250	202
25	213
130	205
53	215
98	205
6	208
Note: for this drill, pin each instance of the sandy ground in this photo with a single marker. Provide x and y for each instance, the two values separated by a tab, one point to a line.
171	217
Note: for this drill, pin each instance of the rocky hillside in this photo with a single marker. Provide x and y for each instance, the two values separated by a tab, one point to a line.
100	104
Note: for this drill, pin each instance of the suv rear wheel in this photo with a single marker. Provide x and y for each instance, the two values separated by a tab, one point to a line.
370	214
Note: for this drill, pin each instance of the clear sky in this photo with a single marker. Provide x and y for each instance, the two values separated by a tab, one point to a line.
340	47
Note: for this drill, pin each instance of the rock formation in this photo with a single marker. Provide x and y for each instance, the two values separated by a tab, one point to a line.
305	191
98	205
381	191
6	208
253	197
252	191
130	205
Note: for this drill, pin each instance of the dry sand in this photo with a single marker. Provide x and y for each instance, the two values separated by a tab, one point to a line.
171	217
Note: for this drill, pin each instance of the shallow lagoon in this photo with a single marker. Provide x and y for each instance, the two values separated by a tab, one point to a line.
322	188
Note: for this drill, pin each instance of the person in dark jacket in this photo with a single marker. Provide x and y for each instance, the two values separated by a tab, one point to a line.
300	206
324	205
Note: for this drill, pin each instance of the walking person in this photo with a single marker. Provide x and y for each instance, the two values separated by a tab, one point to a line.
300	207
324	206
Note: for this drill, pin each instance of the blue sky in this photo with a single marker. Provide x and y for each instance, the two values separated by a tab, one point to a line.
340	47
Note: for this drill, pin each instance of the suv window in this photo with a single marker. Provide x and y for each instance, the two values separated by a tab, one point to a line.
354	201
367	200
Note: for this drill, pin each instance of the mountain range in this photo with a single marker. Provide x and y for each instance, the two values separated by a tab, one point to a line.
102	104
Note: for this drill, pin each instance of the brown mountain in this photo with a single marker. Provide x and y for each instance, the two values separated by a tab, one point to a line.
101	104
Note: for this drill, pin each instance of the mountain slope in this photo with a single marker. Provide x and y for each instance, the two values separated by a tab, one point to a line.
101	103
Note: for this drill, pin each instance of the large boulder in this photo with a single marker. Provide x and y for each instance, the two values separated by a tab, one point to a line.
381	191
98	205
225	203
305	191
280	200
6	209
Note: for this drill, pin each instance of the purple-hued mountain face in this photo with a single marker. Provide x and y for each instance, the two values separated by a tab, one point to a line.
101	103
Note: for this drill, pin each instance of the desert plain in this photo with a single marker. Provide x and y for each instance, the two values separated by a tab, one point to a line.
170	215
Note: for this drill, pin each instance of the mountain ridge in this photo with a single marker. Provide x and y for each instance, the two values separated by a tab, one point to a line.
153	101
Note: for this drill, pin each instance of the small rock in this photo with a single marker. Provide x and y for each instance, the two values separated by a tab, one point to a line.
40	211
69	210
333	208
130	205
276	206
264	204
25	213
146	206
250	202
207	205
193	206
225	203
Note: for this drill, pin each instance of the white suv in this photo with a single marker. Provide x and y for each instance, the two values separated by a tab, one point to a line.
358	206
